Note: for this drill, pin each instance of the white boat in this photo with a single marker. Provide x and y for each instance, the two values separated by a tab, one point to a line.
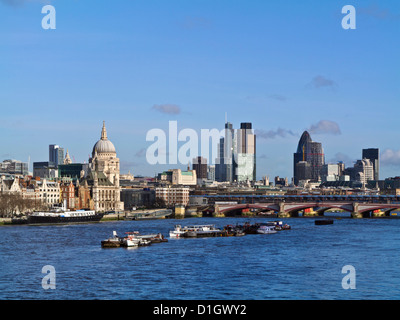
266	229
180	232
131	240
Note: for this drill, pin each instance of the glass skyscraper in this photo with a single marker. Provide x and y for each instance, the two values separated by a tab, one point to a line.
236	154
56	154
313	154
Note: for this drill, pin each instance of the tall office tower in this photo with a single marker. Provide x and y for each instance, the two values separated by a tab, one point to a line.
56	154
312	153
244	154
224	162
363	171
200	165
373	155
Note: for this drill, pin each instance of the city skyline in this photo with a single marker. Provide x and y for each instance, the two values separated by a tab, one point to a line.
284	68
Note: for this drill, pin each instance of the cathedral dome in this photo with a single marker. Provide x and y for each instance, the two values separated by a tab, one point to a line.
104	145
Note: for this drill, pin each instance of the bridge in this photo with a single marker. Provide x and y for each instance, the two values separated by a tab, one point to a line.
293	209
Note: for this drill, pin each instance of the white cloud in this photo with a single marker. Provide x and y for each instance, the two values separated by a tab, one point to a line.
325	127
321	82
272	134
390	157
167	108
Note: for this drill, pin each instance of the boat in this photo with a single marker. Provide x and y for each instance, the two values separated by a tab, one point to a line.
194	231
178	232
131	240
323	222
158	238
266	229
153	238
113	242
63	215
248	228
205	231
279	225
233	231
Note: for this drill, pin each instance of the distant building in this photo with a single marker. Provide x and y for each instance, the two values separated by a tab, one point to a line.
330	172
302	171
236	159
373	155
312	153
200	165
14	167
172	195
49	191
67	159
282	182
211	172
364	170
179	177
103	176
224	162
45	170
133	198
56	154
75	171
245	153
68	194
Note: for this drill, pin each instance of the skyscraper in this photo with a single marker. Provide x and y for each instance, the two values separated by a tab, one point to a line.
224	162
56	154
373	155
236	154
245	153
310	152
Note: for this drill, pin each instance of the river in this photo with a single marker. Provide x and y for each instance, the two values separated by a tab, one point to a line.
305	262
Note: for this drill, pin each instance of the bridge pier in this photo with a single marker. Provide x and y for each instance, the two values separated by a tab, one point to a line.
356	215
217	213
284	214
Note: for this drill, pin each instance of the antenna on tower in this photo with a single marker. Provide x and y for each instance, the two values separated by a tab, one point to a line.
226	117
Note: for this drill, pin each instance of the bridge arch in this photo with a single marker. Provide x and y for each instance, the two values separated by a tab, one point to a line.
226	210
319	208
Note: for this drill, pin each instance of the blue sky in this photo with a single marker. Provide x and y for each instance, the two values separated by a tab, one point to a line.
285	66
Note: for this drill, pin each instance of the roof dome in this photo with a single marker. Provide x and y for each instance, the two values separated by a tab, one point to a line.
104	145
